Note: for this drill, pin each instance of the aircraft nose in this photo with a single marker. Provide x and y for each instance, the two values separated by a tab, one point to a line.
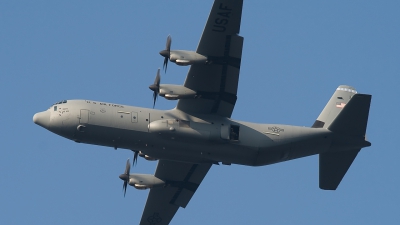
42	119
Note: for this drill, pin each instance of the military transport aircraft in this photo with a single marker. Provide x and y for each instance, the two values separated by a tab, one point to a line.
199	132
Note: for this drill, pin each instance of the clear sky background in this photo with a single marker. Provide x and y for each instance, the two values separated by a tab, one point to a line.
295	54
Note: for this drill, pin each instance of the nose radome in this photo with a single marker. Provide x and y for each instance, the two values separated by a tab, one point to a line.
42	119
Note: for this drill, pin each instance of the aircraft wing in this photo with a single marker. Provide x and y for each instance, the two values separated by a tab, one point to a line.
182	180
216	82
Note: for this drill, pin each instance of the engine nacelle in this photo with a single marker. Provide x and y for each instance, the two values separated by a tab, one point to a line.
185	58
174	92
145	181
141	186
147	157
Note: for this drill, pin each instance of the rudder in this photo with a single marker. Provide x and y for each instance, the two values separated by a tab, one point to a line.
353	119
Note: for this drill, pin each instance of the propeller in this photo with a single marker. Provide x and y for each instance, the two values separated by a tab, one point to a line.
167	52
135	156
156	87
125	176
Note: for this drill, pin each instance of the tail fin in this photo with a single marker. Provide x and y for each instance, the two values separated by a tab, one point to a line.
353	119
348	123
339	99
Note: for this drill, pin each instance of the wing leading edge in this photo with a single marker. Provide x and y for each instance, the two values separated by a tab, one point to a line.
216	82
182	181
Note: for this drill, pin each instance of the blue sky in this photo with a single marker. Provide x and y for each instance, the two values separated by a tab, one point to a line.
295	54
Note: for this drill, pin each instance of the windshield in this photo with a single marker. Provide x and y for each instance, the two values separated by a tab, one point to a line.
57	103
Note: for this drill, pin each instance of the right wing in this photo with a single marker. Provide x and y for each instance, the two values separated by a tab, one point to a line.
182	181
216	83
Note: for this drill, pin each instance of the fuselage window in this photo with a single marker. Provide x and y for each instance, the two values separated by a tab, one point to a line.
55	108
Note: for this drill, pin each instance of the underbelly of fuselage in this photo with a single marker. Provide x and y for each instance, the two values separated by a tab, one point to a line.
197	150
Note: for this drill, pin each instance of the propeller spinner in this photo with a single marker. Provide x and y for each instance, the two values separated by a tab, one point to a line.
167	52
155	87
125	176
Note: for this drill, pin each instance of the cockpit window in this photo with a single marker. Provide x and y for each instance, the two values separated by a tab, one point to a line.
60	102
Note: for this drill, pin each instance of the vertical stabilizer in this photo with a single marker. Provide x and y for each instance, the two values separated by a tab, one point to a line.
339	99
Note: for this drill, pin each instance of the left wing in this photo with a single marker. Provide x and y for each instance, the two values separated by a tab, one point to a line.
182	181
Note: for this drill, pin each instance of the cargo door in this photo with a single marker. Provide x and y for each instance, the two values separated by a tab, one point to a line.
230	132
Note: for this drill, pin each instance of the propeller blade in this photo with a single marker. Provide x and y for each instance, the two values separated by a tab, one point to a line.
125	176
167	52
165	65
155	87
124	187
135	157
168	44
158	78
128	167
154	99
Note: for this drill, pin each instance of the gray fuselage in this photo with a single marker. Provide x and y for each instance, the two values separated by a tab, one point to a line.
175	135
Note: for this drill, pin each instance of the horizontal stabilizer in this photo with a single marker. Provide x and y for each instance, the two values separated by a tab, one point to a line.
352	120
333	166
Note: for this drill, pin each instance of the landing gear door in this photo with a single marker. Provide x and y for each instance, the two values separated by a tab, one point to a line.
84	118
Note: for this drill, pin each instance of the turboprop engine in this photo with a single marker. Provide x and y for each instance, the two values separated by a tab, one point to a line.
185	58
174	92
170	91
139	181
144	181
147	157
180	57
